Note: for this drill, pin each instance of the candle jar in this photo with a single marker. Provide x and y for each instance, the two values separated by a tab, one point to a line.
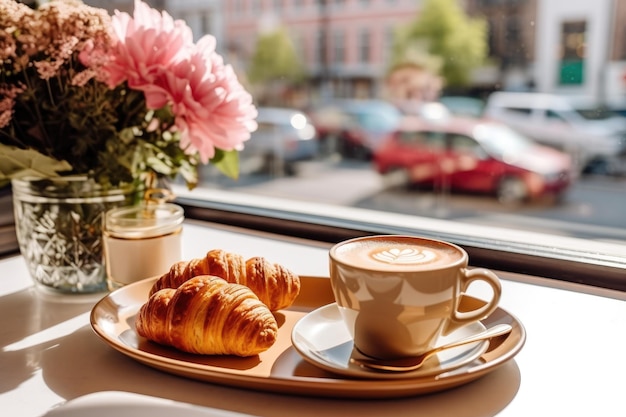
141	241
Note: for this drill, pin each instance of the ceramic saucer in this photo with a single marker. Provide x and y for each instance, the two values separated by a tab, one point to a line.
322	338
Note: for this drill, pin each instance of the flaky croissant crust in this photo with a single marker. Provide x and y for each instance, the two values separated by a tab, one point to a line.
275	285
208	315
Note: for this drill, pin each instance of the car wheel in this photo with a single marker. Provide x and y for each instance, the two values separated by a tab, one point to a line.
273	165
291	169
512	190
330	144
351	150
599	166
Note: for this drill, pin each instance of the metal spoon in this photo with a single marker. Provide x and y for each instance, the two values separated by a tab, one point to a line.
415	362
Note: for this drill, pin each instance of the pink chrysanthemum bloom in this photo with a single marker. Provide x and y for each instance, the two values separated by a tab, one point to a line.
212	108
146	44
156	54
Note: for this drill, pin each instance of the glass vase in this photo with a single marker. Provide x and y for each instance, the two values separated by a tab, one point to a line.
58	224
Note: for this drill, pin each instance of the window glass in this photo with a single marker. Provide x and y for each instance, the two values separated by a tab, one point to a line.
435	140
364	46
339	47
551	114
418	52
519	110
254	7
463	144
598	113
431	140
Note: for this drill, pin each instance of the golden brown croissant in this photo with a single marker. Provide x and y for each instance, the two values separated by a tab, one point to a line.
210	316
275	285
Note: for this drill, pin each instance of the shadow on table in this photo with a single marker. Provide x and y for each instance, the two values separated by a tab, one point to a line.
80	363
23	345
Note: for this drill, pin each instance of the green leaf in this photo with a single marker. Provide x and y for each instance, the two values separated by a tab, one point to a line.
190	175
16	162
159	165
227	162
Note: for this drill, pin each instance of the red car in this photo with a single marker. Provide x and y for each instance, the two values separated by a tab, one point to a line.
473	155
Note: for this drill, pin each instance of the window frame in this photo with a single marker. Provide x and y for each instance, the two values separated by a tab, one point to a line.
542	255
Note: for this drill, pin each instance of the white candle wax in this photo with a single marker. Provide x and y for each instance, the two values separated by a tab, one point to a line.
141	242
130	260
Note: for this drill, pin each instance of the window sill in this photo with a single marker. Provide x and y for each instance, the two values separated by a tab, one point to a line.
600	264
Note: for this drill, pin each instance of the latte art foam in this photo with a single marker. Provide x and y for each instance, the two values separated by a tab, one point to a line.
404	256
396	253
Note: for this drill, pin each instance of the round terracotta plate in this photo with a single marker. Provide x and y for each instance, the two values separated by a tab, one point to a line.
282	369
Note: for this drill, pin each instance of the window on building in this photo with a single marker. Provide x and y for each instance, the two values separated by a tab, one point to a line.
320	48
491	38
388	43
206	22
573	45
237	7
301	47
339	46
365	45
256	7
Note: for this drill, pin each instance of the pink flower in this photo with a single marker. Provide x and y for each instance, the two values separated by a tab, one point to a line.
8	94
156	54
145	44
212	108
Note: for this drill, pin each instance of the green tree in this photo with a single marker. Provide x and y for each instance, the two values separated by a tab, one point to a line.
275	59
444	39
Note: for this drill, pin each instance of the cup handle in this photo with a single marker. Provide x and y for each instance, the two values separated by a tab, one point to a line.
479	274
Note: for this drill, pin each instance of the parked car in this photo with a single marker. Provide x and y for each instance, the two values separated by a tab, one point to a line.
354	128
474	155
284	137
595	137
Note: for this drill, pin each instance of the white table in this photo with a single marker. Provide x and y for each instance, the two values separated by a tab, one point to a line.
572	364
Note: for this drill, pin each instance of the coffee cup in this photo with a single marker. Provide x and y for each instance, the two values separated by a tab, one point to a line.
399	294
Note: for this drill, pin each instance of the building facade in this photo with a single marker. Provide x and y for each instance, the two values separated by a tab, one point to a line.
572	52
345	44
511	42
559	46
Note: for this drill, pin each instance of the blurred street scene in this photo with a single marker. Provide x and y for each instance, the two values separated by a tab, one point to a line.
508	112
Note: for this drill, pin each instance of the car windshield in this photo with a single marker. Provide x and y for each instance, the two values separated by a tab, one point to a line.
597	113
377	120
500	140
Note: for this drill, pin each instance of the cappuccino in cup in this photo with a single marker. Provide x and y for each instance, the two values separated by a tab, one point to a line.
395	253
399	294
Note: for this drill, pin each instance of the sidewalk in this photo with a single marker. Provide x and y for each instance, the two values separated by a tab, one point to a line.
322	183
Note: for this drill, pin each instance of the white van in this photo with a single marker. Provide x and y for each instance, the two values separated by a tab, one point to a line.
595	137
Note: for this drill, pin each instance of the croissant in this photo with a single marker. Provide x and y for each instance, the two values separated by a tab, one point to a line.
275	285
208	315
